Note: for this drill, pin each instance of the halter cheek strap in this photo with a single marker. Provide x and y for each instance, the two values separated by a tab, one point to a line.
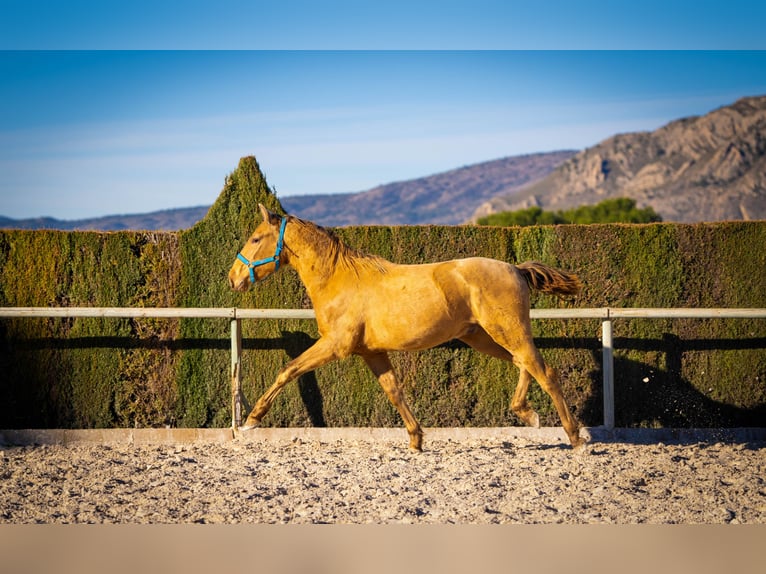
251	265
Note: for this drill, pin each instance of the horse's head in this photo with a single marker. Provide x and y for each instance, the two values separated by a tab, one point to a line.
262	254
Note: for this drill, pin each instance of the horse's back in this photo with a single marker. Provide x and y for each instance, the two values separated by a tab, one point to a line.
485	274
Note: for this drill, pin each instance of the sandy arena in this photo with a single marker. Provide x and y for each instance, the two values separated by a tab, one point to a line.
373	480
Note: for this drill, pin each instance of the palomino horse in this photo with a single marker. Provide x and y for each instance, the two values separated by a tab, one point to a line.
367	306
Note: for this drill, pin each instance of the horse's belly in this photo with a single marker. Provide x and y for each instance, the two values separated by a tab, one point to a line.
418	324
391	341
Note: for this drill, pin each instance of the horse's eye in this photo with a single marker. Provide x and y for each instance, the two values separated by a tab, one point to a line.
255	240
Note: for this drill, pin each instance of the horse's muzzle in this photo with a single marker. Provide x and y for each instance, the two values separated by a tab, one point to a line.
239	284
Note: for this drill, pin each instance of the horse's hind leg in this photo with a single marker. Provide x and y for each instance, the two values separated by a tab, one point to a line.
478	339
532	363
380	365
519	344
519	404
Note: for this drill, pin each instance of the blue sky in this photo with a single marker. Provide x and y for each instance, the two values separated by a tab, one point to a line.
102	113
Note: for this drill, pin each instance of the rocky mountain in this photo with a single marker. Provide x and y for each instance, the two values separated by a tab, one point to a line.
707	168
165	220
444	198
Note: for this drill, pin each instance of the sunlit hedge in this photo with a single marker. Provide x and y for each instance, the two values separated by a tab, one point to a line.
155	372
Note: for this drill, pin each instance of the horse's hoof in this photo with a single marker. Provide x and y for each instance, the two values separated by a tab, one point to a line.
579	444
416	441
247	427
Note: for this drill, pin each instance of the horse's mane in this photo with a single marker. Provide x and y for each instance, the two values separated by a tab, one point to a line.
334	252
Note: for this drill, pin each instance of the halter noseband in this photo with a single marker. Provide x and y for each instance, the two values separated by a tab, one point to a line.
251	265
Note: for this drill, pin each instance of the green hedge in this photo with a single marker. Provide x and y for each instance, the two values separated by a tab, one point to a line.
155	372
87	372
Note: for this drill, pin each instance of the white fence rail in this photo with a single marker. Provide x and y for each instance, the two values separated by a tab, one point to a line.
235	316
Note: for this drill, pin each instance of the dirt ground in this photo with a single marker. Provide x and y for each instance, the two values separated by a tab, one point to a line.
381	481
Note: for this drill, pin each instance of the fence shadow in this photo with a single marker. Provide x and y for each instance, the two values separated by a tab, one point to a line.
646	396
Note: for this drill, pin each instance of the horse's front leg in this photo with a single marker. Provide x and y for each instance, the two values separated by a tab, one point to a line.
380	365
318	354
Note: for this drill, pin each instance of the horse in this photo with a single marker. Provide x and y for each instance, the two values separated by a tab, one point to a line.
366	305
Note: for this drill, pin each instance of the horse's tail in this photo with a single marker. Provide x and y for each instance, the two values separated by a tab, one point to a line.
549	280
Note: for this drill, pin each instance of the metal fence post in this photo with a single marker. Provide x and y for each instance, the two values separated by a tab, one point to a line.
608	366
236	378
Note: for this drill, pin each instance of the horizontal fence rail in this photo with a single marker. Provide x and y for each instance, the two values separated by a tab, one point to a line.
235	316
237	313
158	312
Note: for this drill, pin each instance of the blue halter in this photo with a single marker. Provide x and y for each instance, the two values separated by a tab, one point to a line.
273	259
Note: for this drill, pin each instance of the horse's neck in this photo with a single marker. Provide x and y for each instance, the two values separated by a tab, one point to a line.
322	264
310	263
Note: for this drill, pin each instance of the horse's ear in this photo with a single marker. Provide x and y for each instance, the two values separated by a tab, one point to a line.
265	213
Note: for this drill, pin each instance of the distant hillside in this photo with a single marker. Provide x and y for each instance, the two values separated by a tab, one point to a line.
707	168
444	198
447	198
165	220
